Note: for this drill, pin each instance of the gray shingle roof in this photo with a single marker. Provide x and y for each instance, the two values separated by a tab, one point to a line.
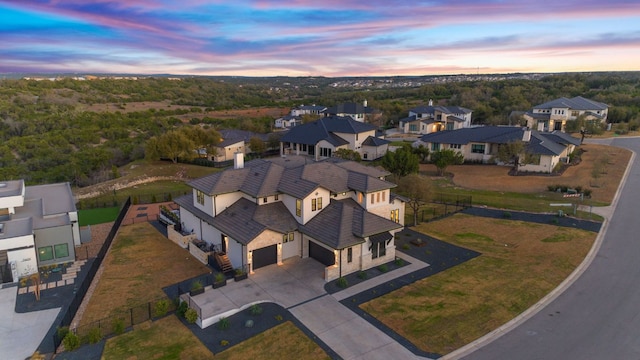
576	103
220	183
374	141
344	223
325	129
443	109
349	108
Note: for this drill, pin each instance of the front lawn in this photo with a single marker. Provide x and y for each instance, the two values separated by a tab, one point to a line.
520	263
140	263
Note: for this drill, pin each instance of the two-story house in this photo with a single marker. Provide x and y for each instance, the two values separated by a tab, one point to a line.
321	138
481	144
358	112
38	227
340	213
430	119
554	114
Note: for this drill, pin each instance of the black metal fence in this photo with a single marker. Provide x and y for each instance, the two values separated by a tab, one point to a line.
70	312
118	199
463	201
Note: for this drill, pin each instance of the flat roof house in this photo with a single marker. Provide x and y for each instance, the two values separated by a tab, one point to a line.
340	213
38	227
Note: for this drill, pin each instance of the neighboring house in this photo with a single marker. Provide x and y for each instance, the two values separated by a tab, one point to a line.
321	138
553	115
481	144
288	121
358	112
430	119
38	227
316	110
234	141
340	213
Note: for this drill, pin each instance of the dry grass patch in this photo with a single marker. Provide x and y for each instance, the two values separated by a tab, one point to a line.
520	263
167	339
140	263
496	178
284	341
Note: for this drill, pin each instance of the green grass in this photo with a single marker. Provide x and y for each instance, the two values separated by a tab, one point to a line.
97	216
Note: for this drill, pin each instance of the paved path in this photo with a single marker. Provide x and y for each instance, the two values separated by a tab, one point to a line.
596	316
20	334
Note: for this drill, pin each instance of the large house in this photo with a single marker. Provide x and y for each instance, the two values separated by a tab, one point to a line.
555	114
430	119
321	138
38	227
481	144
262	212
295	116
356	111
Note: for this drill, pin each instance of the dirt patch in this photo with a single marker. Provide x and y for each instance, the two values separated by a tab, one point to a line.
496	178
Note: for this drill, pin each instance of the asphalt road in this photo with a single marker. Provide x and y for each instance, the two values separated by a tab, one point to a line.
598	316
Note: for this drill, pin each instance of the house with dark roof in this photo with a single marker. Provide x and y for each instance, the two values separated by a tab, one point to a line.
429	119
288	121
321	138
262	212
356	111
554	114
481	144
38	227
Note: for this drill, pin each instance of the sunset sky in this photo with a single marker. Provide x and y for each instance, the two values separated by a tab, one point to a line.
318	38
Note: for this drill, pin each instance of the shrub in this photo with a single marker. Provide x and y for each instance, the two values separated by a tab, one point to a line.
219	277
62	332
223	323
551	187
342	282
182	308
399	262
564	188
278	317
191	315
362	275
71	341
94	336
161	308
117	325
578	189
255	309
554	221
383	268
406	246
196	285
506	215
587	193
224	343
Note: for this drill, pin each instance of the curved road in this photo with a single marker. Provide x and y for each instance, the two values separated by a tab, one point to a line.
598	316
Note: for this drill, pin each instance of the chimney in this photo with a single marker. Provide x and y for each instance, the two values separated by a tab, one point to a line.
364	103
238	160
430	102
526	136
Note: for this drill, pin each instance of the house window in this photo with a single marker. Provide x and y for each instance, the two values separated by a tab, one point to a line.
395	215
373	198
477	148
304	147
360	197
319	203
288	237
45	253
435	147
275	197
356	136
574	113
313	204
264	200
378	197
384	196
200	197
316	204
298	207
413	127
349	255
454	146
378	249
61	250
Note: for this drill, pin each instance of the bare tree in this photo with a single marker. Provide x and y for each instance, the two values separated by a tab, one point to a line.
417	189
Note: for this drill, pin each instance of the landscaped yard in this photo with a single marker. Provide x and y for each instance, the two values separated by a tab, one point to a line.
166	338
520	263
140	263
284	341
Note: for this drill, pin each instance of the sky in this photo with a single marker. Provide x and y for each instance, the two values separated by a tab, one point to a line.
318	38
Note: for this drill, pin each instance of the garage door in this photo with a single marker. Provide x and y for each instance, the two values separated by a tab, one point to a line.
321	254
265	256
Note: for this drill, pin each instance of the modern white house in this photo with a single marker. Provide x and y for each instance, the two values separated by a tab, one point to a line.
262	212
321	138
429	119
554	114
481	144
38	227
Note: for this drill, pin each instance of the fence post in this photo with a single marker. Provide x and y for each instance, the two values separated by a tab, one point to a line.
149	308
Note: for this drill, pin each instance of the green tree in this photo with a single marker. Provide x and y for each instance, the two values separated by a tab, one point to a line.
443	158
257	145
422	152
172	145
348	154
401	162
516	153
417	189
206	139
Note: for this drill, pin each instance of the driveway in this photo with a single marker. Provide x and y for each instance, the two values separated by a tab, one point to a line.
21	334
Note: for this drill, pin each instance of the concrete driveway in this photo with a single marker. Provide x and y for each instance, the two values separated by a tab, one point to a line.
21	334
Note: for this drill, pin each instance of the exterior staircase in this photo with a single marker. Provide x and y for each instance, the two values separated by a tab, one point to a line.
223	262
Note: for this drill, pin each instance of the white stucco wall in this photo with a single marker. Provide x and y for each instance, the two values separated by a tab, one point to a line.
25	260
